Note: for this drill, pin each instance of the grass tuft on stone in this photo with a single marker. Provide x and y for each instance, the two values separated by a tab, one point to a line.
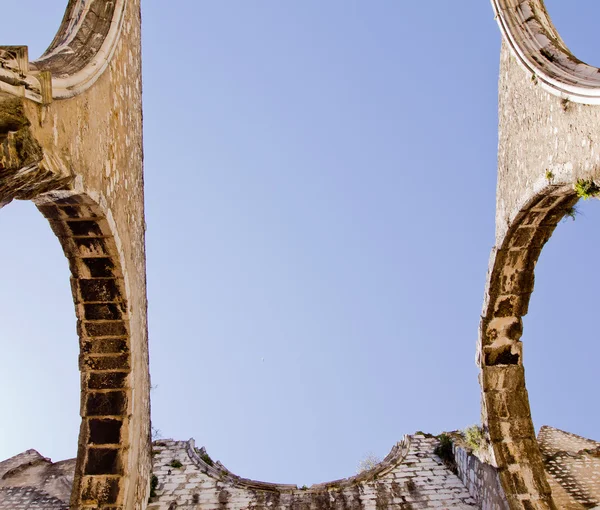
586	188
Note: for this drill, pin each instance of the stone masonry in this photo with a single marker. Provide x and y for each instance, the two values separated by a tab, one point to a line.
573	467
71	141
411	477
30	481
548	145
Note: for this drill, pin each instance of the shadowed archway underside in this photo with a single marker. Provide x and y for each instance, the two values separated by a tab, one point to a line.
101	308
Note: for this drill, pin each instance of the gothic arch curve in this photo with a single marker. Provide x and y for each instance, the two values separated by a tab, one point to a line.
89	240
83	45
505	402
81	51
538	47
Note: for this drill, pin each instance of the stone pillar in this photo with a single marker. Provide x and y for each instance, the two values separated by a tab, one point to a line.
71	141
548	149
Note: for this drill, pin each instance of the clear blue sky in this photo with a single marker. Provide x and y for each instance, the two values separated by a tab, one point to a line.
320	193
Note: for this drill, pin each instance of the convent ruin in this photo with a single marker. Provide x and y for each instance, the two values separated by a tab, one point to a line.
71	142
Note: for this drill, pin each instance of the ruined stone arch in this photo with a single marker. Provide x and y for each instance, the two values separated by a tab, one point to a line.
548	140
506	411
534	41
86	232
71	141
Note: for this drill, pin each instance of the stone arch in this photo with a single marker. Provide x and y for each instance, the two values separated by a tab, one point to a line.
83	45
80	52
88	237
539	49
71	141
505	402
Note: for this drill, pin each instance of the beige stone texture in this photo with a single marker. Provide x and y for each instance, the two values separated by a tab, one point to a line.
71	141
410	477
548	143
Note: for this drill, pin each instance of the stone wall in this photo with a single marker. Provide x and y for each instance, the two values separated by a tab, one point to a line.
31	481
27	498
573	465
410	477
481	480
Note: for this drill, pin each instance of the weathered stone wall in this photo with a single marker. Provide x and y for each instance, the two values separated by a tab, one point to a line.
411	477
29	470
573	465
21	498
30	481
480	479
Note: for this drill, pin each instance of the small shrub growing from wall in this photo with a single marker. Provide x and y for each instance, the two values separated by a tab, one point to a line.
474	437
586	188
444	451
153	486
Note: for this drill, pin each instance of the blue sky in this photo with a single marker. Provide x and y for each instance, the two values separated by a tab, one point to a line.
320	194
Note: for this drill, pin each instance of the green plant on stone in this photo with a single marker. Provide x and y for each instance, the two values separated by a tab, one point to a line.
175	464
571	212
444	451
549	175
421	433
206	458
474	437
304	488
153	486
586	188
